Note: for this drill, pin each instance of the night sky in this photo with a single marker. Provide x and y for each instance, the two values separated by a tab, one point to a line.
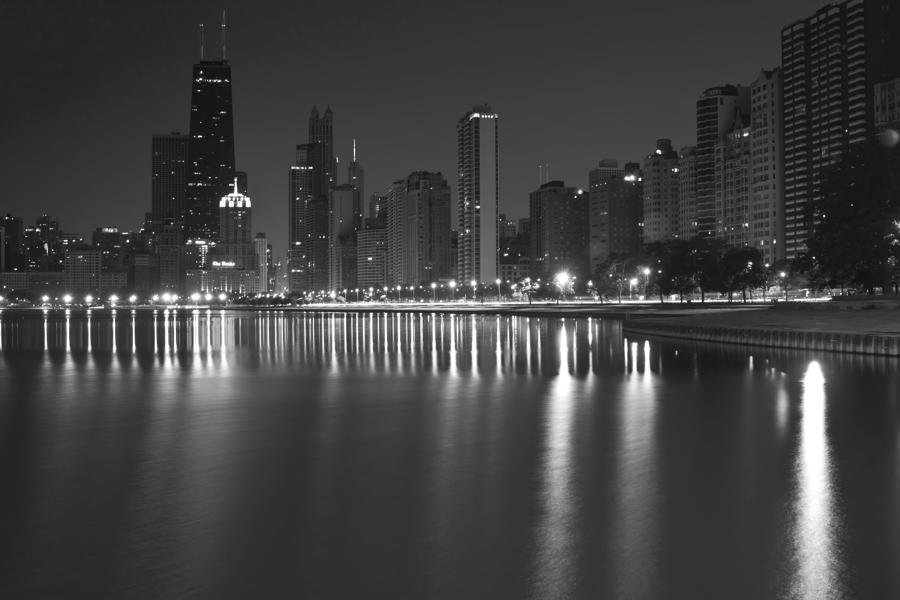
86	84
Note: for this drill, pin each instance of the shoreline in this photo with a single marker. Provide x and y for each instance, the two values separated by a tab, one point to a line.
864	327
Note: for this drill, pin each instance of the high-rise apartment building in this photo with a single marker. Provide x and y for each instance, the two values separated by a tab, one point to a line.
716	110
169	167
371	250
831	63
478	195
211	146
687	192
661	193
13	242
732	183
614	215
300	200
767	165
559	230
426	230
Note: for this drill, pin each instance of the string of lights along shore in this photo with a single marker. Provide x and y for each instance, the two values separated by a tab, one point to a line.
765	148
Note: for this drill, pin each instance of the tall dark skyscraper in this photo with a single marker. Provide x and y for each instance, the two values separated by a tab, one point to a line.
169	176
831	63
478	195
324	165
211	150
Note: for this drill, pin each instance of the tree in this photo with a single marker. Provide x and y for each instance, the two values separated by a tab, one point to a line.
707	255
742	269
856	223
673	269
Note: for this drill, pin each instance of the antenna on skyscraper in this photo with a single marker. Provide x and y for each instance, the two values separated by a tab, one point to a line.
223	35
540	174
201	41
354	149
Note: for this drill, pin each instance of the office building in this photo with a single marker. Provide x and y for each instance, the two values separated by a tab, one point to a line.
236	248
767	168
211	166
478	195
687	192
343	223
169	167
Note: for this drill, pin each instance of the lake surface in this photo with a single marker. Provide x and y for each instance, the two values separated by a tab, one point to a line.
240	454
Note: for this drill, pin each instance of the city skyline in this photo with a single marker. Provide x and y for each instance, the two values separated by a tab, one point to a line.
396	134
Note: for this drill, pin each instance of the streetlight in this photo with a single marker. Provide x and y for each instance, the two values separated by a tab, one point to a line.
113	300
561	280
497	281
132	298
783	276
88	299
631	283
473	283
433	292
399	293
452	285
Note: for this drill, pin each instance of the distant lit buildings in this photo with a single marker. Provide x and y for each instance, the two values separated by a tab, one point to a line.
661	193
616	201
887	105
343	222
478	195
559	230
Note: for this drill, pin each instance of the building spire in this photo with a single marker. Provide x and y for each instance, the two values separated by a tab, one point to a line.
224	57
201	41
235	187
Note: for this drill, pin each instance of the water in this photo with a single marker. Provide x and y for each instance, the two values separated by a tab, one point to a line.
219	454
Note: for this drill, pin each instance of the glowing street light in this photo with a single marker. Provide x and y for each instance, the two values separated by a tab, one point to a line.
497	281
433	292
132	299
631	283
113	300
473	283
45	299
452	285
195	297
88	299
222	297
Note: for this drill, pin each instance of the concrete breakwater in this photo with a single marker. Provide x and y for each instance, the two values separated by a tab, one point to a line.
831	341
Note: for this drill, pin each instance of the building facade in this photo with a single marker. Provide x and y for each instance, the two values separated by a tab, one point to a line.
661	193
614	215
478	195
169	167
559	230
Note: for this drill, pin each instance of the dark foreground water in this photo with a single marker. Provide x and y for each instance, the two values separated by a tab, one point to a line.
217	454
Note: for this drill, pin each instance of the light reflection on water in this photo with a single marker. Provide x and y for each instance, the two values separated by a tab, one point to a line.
815	535
527	446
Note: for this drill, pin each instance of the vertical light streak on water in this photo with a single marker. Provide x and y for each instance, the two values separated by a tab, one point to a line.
113	313
818	566
165	325
473	349
195	317
134	332
46	345
453	366
89	331
636	479
527	344
68	330
556	557
223	345
497	349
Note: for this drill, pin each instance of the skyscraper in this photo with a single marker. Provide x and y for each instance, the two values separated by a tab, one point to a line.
211	148
236	246
661	193
426	235
356	176
478	195
321	133
831	63
767	170
716	110
300	197
169	177
687	192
